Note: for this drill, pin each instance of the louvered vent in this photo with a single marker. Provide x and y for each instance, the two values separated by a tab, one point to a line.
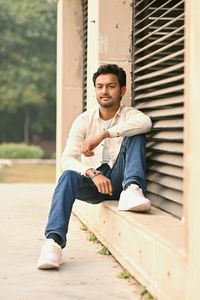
158	86
85	31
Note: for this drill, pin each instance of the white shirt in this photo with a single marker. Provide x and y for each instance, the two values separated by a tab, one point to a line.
127	121
106	157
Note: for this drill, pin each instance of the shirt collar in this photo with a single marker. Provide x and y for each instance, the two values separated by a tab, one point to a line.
118	113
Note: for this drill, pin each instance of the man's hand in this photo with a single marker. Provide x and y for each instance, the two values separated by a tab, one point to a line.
91	143
103	184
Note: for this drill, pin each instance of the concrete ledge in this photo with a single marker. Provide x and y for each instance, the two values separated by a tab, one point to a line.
147	245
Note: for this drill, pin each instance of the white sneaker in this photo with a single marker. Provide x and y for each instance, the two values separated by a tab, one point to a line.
132	199
51	255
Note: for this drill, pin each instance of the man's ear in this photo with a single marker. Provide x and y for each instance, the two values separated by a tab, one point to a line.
123	90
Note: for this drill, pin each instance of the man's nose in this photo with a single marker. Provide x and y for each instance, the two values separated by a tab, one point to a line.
105	89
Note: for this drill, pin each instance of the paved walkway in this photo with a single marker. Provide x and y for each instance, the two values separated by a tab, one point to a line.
85	275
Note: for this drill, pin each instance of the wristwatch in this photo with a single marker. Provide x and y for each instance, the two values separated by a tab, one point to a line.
94	173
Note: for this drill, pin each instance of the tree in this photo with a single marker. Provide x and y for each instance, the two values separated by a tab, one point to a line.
27	66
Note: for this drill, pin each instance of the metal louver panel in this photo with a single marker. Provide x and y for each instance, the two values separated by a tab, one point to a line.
85	31
158	87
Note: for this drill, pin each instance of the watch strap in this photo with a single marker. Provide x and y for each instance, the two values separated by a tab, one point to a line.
94	173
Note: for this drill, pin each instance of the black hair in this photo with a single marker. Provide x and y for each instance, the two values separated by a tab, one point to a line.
113	69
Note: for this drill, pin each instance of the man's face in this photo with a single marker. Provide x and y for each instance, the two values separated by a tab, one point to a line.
108	90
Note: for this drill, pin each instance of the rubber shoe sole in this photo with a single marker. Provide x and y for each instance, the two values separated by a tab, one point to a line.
50	256
48	265
140	208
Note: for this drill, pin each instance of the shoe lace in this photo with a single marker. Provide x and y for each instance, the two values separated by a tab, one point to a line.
51	244
136	188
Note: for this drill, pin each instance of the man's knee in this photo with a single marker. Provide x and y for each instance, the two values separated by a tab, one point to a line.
138	139
70	175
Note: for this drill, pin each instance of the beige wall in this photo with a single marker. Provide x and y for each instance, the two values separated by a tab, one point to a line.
69	69
192	147
109	40
115	36
93	49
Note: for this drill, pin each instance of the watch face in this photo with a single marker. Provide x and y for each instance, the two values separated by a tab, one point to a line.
94	174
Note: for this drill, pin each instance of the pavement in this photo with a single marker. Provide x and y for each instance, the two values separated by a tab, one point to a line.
85	274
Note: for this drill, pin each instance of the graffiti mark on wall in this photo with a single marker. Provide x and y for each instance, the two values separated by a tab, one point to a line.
103	44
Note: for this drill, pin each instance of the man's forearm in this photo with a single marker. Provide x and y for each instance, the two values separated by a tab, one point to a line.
91	143
139	123
105	134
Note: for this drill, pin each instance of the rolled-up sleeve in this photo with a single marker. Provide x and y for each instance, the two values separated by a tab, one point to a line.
135	122
71	157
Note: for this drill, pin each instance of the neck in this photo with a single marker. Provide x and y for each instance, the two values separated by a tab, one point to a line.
107	113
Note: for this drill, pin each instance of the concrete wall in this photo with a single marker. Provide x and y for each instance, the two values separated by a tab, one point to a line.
192	148
109	39
69	69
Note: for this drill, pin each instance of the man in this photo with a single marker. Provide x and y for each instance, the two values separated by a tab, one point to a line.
104	159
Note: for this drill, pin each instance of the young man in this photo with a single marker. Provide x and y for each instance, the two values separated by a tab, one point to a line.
104	159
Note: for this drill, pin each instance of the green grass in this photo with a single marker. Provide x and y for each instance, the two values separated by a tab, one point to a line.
28	173
84	227
124	275
92	238
145	295
104	251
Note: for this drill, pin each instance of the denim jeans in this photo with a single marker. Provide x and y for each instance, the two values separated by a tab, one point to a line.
130	167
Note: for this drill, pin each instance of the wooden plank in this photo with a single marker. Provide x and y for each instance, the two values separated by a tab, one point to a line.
148	15
165	180
159	103
176	148
163	191
159	52
168	112
161	49
166	9
155	74
167	158
84	61
157	18
137	3
165	136
165	169
166	58
166	124
176	209
159	82
144	9
160	92
157	41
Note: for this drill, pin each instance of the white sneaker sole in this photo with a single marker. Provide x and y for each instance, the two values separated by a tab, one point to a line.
48	265
140	208
144	207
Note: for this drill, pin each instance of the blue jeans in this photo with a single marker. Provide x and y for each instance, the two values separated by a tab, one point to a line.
130	167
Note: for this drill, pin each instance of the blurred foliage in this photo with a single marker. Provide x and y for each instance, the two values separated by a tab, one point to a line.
12	151
27	69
